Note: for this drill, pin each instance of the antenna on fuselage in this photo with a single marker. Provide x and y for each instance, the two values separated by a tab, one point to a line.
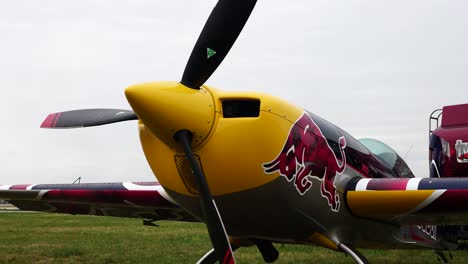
78	180
404	157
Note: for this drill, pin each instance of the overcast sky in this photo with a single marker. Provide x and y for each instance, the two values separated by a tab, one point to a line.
375	68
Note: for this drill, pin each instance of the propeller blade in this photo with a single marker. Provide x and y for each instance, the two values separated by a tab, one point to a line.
216	39
213	220
87	118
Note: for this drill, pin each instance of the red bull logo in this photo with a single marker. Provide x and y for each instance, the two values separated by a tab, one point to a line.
307	155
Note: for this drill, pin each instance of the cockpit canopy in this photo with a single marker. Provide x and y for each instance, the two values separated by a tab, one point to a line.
388	156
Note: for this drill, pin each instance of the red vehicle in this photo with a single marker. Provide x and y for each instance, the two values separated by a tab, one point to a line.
448	143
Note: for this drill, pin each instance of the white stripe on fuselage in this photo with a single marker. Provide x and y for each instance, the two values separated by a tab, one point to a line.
413	184
30	186
136	187
362	184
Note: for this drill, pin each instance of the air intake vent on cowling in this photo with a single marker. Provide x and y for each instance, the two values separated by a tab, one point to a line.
186	173
241	108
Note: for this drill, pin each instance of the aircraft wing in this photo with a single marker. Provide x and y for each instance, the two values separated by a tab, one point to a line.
146	200
410	201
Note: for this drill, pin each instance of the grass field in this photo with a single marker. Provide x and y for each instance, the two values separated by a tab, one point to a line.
55	238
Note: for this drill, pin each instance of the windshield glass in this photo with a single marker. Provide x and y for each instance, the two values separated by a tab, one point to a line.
388	156
381	150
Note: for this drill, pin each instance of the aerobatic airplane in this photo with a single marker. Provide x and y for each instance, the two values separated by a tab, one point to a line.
306	181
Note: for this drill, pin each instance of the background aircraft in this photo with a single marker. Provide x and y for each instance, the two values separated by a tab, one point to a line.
321	130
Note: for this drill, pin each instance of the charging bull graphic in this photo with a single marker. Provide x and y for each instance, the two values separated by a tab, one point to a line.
306	155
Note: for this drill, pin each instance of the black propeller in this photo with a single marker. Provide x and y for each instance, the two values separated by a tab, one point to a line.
210	212
87	118
216	39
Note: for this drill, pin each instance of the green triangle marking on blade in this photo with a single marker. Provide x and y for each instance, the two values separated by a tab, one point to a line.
210	53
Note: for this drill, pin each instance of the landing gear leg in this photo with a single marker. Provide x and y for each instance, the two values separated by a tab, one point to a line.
266	248
358	257
268	251
442	258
